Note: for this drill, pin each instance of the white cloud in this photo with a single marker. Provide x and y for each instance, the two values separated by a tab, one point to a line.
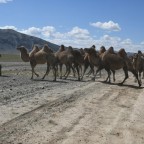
5	1
32	31
111	26
80	38
8	27
48	31
79	33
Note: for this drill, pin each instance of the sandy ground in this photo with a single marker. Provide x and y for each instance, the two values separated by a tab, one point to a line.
68	111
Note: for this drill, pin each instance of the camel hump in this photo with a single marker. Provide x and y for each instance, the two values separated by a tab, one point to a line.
122	52
62	48
47	49
35	48
69	49
139	52
102	49
93	46
111	50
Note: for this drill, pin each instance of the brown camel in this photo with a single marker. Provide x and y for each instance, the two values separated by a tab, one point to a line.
37	56
67	57
138	63
61	49
114	62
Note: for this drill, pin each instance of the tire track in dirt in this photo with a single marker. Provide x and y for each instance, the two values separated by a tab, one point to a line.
35	113
94	113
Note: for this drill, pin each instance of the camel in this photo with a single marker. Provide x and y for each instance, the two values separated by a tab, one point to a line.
61	49
39	56
112	62
138	63
67	57
94	57
90	53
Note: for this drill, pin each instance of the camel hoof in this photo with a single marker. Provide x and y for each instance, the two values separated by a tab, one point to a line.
120	84
93	78
140	84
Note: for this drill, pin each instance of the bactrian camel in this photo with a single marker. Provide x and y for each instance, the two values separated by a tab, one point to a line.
114	62
39	56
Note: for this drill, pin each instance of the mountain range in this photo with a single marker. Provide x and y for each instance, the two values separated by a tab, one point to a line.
11	39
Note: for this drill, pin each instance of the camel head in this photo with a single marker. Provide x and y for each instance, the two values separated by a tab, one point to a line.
122	53
23	53
22	49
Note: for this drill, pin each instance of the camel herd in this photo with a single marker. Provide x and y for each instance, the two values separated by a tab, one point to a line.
78	60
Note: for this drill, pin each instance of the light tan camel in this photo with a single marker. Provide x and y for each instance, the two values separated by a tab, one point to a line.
61	49
91	55
37	56
114	62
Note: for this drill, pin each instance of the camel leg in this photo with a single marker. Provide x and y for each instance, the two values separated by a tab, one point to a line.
60	71
140	77
126	75
33	64
113	71
108	77
99	69
47	71
136	75
68	71
85	68
143	75
73	69
54	72
77	68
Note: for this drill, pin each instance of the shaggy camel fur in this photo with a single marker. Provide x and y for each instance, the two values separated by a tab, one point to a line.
138	63
37	56
61	49
114	62
91	58
67	57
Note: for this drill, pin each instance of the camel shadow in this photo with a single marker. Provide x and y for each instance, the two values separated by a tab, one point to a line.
46	80
124	85
4	76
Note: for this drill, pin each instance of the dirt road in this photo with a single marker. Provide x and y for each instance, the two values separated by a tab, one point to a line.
68	111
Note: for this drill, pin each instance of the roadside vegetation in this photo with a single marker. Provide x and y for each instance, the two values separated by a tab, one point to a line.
10	58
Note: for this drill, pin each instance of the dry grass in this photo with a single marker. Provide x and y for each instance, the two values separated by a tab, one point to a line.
10	58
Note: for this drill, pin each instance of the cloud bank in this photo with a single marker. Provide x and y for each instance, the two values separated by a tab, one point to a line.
5	1
79	38
110	25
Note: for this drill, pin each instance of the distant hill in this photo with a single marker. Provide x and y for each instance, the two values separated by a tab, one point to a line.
11	39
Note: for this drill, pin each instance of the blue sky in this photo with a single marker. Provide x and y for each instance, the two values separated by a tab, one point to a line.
79	23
